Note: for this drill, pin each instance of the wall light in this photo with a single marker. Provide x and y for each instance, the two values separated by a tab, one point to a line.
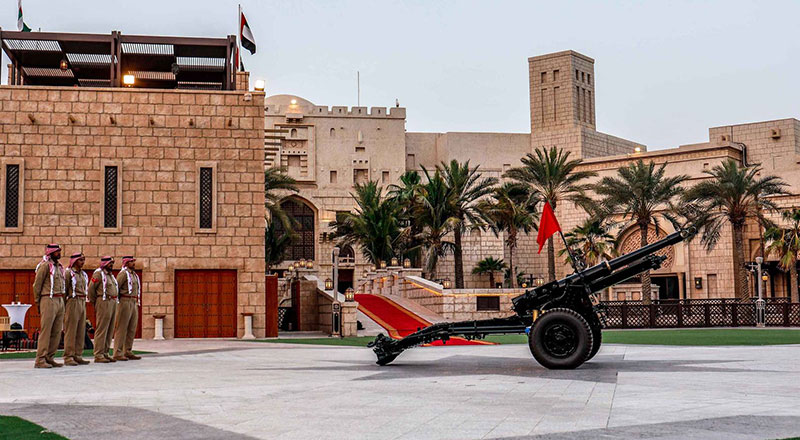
293	101
637	150
128	80
260	85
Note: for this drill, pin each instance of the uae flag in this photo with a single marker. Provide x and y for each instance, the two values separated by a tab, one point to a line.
246	35
547	226
21	26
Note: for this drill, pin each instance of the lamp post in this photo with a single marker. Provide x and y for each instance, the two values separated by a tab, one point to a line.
760	303
335	306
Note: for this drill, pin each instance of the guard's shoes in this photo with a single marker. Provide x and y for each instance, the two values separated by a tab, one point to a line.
132	357
53	363
45	365
81	361
71	362
101	360
109	358
120	358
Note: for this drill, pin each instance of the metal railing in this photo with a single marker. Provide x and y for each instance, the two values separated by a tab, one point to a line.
699	313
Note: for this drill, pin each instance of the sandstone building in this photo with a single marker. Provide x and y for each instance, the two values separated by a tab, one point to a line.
330	148
169	169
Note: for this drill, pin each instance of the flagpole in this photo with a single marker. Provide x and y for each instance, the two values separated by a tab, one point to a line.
239	39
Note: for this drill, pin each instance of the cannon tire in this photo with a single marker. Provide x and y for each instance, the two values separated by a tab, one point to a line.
597	339
561	339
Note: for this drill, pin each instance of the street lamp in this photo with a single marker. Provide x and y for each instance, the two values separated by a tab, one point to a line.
760	303
349	294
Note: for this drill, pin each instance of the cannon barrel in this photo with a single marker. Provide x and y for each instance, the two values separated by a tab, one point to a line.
606	267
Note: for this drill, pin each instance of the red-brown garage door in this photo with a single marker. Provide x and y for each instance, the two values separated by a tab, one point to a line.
205	303
21	282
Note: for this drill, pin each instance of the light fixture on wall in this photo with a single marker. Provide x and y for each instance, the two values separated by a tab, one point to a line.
383	264
539	281
637	150
63	65
407	263
446	283
128	80
260	85
394	263
328	284
349	294
309	264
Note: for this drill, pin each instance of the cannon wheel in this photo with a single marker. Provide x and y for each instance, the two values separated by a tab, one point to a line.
597	339
561	339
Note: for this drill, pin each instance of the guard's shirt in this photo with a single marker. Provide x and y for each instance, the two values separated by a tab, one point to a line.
96	286
41	284
122	280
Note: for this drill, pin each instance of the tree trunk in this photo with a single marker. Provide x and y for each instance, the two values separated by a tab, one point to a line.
491	279
551	260
793	282
740	287
646	290
458	257
513	277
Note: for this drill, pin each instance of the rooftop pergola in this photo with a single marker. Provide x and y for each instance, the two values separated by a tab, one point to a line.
103	60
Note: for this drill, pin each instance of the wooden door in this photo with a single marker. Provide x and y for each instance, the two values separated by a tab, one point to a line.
19	282
205	304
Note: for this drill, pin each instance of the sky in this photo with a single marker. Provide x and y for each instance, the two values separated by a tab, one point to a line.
665	71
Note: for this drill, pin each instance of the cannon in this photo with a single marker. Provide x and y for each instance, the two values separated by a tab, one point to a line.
563	319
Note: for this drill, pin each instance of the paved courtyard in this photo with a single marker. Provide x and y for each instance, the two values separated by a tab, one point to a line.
238	390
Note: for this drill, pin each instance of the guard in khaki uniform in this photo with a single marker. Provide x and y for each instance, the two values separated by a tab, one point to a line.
103	292
130	291
48	292
75	311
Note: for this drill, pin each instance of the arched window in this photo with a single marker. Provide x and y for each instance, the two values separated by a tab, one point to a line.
303	221
293	133
333	132
347	255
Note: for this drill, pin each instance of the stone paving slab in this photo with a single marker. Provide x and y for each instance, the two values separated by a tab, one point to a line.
283	391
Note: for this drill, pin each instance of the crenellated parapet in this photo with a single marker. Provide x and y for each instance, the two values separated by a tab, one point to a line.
335	111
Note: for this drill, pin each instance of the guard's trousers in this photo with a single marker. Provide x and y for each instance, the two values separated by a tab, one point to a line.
74	328
125	331
52	318
104	311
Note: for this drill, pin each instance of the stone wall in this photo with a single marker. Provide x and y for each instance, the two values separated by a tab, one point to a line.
158	138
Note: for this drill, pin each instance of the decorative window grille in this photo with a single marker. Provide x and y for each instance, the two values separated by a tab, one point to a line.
12	196
206	198
111	192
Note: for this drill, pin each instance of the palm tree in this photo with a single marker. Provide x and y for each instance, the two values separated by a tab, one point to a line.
435	214
510	210
785	244
551	177
732	194
373	226
642	194
468	188
277	241
405	195
593	241
276	184
489	265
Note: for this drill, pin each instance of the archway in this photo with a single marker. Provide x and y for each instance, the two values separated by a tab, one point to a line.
347	260
667	283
